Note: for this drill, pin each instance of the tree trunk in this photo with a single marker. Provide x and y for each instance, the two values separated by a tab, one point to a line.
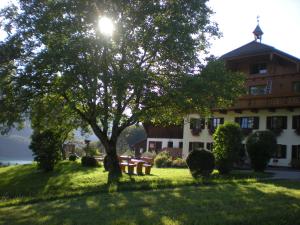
114	170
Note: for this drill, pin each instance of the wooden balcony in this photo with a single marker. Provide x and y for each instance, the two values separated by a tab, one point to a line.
265	102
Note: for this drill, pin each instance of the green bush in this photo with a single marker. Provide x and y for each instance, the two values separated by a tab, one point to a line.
73	157
89	161
91	150
163	160
128	153
149	155
46	148
260	147
227	146
179	163
201	163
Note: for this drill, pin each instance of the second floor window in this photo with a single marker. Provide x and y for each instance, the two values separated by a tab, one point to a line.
296	87
197	124
257	90
296	122
276	122
248	122
259	68
213	123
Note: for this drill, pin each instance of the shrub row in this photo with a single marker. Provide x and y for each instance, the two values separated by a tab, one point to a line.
164	160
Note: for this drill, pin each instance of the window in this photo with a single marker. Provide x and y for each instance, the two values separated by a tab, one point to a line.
248	122
280	152
276	122
296	87
257	90
197	123
180	144
213	123
170	144
155	145
209	146
296	122
296	152
195	145
260	68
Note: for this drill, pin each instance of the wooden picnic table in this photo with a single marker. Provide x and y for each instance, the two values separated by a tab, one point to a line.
139	165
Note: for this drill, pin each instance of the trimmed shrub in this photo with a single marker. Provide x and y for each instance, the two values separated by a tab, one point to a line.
227	146
163	160
73	157
89	161
46	148
201	163
179	163
260	147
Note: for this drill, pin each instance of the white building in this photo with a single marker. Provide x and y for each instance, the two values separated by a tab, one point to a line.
272	102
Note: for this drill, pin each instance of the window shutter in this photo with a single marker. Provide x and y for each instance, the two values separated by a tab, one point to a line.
255	122
237	120
202	123
296	122
190	146
284	121
221	120
283	151
294	151
192	123
269	122
209	123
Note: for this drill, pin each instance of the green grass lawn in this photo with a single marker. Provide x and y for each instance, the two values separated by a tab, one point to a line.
76	195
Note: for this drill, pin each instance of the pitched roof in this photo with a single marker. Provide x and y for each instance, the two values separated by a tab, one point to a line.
256	48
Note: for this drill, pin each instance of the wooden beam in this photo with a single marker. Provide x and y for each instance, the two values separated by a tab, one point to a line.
254	110
272	109
223	111
238	111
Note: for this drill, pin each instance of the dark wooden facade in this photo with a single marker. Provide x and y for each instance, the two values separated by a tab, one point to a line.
171	132
269	68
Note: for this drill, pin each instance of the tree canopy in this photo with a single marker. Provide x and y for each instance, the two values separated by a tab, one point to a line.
149	69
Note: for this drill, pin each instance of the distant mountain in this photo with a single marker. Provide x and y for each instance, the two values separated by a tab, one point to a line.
15	145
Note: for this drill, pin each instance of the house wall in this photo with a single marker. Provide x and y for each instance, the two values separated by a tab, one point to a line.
288	137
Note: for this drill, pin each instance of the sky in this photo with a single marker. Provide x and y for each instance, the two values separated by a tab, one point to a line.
279	20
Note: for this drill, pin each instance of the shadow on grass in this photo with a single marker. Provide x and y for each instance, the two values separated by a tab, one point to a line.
217	204
70	179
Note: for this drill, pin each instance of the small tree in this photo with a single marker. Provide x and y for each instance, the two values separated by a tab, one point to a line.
261	146
227	145
201	163
46	149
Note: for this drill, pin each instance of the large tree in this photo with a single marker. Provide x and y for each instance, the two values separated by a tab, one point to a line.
149	69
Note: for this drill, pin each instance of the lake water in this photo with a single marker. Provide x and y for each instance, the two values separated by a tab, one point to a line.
6	161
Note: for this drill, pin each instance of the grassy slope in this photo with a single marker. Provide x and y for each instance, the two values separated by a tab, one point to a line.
76	195
24	183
